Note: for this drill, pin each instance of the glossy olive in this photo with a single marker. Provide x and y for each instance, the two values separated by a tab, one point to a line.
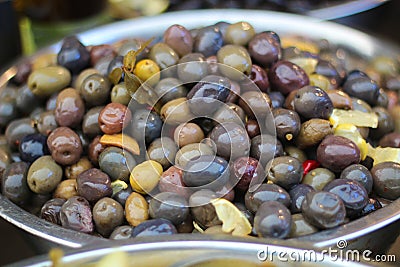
50	211
239	33
313	102
44	175
188	133
363	88
114	117
121	232
90	123
154	227
163	150
69	109
284	171
65	146
286	77
179	39
264	147
46	122
192	68
171	180
318	178
120	94
107	214
17	129
300	227
272	219
66	189
256	104
117	163
14	183
169	89
385	123
297	195
76	214
265	49
136	209
191	151
170	206
359	173
163	55
93	184
258	194
95	89
312	132
208	41
202	210
32	147
244	170
146	125
47	81
386	182
73	55
287	123
238	60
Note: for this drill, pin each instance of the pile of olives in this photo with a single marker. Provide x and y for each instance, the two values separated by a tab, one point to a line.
142	137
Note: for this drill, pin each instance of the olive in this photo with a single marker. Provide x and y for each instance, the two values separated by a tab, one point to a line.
17	129
359	173
179	39
187	133
295	152
234	92
32	147
170	206
264	147
361	87
46	81
171	180
323	209
146	70
98	52
117	163
93	184
312	132
163	150
121	232
231	140
65	146
285	77
272	219
192	68
163	55
208	41
26	101
206	171
114	117
287	123
66	189
252	128
8	111
120	94
385	123
265	49
186	227
90	123
154	227
136	209
76	214
258	194
14	183
46	122
318	178
277	99
44	175
237	59
95	89
146	125
313	102
5	159
390	140
300	227
169	89
190	152
122	195
243	170
258	77
284	171
50	211
116	62
206	96
69	109
107	214
256	104
386	183
202	210
73	55
337	152
239	33
373	205
176	111
145	176
297	195
230	113
327	69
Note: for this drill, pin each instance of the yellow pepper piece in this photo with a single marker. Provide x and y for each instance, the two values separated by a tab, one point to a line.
383	154
233	220
350	131
355	117
122	141
301	44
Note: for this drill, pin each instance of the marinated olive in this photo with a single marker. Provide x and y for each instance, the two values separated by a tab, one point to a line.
287	123
163	150
313	102
258	194
286	77
69	109
264	147
170	206
243	170
284	171
297	195
265	49
51	210
44	175
272	219
202	210
73	55
359	173
117	163
154	227
93	184
65	146
14	183
386	179
32	147
76	214
107	214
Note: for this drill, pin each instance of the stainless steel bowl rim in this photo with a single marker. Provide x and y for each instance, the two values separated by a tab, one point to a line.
281	23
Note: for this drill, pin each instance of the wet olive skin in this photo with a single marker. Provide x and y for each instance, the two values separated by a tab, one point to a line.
265	192
49	80
337	152
359	173
206	171
65	146
171	180
385	123
90	123
243	170
70	108
256	104
44	175
238	58
113	118
17	129
192	68
208	41
179	39
51	210
323	209
163	150
297	195
312	132
107	215
163	55
390	140
313	102
373	205
238	33
386	179
287	123
170	206
147	125
286	77
252	128
73	55
231	140
352	193
206	96
300	226
121	232
363	88
318	178
264	147
46	122
93	185
265	49
154	227
32	147
8	111
95	90
202	210
14	183
169	89
284	171
117	163
272	219
76	214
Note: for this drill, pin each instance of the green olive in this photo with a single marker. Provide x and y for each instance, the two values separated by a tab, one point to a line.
83	75
191	151
318	178
47	81
44	175
176	111
163	55
239	33
119	94
238	60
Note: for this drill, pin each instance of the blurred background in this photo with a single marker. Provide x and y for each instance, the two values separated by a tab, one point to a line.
27	25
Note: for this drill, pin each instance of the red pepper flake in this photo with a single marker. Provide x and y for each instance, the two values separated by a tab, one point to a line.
309	165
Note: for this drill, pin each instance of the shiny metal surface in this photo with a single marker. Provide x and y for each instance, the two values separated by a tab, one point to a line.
377	230
181	250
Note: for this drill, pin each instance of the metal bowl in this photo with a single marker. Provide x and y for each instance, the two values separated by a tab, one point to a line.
376	231
200	251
